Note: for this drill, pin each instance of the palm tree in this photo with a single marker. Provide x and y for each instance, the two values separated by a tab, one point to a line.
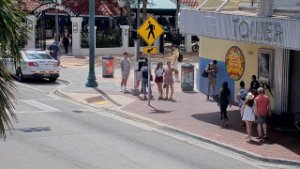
12	33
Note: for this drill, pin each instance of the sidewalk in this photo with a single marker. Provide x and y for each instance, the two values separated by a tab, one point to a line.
190	113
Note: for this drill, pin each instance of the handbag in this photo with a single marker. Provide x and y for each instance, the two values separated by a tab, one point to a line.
204	73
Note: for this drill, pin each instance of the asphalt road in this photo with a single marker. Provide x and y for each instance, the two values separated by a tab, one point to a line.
55	133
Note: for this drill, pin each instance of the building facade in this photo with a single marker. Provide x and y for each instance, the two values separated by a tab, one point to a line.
259	39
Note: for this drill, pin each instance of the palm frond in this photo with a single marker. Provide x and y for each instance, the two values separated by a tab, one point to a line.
12	32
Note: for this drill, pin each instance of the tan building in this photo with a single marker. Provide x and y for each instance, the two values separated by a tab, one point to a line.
259	38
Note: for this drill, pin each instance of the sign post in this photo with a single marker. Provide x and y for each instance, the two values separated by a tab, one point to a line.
150	30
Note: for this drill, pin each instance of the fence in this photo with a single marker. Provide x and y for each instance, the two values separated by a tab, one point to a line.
104	39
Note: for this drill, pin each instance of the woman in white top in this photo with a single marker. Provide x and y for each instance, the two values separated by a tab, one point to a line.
248	115
159	78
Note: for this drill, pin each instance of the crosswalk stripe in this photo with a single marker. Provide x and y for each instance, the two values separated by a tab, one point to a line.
40	105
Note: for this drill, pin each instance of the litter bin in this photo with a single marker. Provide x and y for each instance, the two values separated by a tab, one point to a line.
187	77
107	66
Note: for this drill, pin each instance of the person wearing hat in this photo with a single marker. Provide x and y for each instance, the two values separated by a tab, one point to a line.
262	110
248	114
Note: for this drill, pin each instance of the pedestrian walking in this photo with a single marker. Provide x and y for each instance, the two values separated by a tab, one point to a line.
54	50
248	114
66	42
224	101
159	78
241	97
125	70
262	110
254	85
175	55
145	75
212	70
169	81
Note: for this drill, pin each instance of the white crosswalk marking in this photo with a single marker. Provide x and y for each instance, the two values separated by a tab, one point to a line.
40	105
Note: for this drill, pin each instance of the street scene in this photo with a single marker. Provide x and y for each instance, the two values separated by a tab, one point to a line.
188	84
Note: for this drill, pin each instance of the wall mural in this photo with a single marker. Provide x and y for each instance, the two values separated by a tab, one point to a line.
235	63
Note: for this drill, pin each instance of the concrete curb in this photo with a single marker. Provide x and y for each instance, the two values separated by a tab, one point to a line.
171	129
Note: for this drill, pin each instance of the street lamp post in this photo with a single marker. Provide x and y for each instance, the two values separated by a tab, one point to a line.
92	77
56	36
121	5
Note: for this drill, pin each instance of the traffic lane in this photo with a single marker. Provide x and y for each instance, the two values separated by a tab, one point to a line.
39	84
93	141
89	140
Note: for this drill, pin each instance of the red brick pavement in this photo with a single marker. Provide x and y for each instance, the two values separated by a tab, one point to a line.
191	112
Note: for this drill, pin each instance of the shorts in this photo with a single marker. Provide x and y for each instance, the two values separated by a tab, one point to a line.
139	75
261	120
211	81
159	79
125	76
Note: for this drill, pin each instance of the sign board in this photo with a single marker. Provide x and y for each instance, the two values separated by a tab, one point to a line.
235	63
150	30
150	50
272	31
38	11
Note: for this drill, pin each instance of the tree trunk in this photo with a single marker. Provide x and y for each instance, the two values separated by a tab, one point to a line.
144	9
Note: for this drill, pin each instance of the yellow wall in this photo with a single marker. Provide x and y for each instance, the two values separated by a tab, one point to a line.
217	49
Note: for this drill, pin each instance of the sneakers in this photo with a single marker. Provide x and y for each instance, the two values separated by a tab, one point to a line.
249	140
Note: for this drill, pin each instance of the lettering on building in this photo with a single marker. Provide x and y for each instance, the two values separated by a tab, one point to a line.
38	11
258	30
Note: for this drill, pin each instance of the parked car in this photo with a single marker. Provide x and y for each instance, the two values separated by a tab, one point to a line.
33	64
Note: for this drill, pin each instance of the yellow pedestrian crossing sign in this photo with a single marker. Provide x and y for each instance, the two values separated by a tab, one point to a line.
150	50
150	30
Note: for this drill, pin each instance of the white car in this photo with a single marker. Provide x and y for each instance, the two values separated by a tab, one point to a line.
33	64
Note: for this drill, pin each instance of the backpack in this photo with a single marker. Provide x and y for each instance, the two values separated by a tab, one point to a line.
180	57
145	74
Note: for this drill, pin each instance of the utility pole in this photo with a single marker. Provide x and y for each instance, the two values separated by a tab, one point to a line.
56	36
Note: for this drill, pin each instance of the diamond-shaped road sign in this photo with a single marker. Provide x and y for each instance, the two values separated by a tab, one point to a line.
150	30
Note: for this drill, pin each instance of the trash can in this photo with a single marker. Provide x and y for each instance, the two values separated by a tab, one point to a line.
107	66
187	77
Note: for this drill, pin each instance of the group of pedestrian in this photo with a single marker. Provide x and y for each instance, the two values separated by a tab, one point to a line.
255	107
164	77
